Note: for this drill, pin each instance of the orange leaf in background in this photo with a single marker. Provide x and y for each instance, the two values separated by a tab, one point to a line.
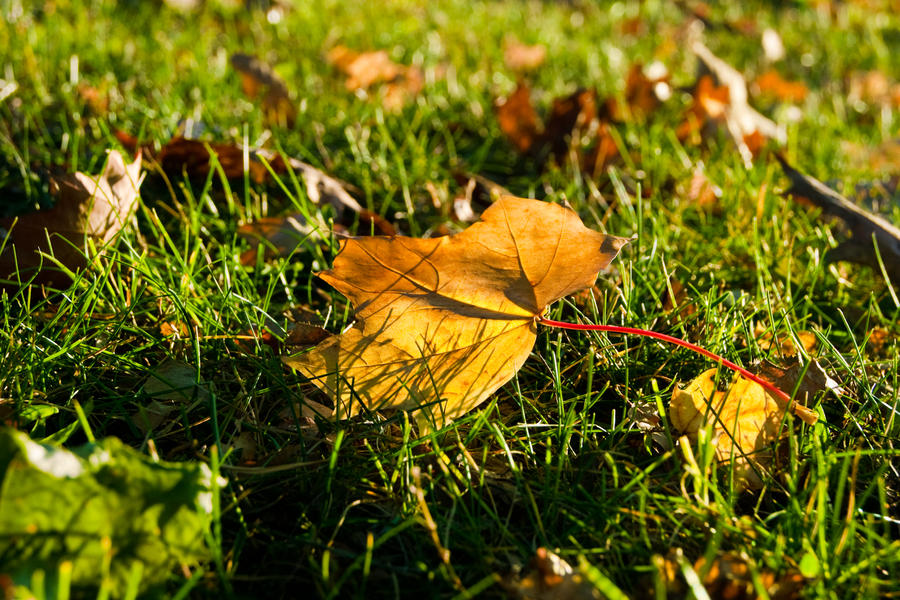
569	117
872	87
88	209
703	192
521	57
366	69
730	576
444	322
517	118
721	98
773	84
258	79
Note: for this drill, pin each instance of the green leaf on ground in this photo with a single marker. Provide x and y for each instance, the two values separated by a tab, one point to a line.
102	507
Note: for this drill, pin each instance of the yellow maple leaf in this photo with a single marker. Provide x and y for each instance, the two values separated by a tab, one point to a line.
444	322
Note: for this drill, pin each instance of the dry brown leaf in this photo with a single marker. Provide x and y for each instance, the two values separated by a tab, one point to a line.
442	323
88	209
400	83
866	228
259	80
746	421
517	118
181	156
279	235
570	117
571	123
766	340
522	57
703	192
644	90
730	577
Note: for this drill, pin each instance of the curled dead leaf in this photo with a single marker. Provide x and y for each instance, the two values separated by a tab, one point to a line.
89	209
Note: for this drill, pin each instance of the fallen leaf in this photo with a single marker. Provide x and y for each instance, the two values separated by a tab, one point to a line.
551	578
522	57
517	118
570	117
766	340
729	576
788	379
866	229
443	322
364	70
772	84
181	156
745	419
89	209
872	87
645	89
721	96
258	79
278	235
702	192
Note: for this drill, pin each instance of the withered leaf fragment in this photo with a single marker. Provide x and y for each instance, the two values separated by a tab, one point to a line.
866	228
725	99
364	70
258	79
443	322
88	209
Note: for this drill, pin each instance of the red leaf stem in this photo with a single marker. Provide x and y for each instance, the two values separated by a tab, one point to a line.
672	340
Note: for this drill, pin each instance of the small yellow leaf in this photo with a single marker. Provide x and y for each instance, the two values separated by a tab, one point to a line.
745	420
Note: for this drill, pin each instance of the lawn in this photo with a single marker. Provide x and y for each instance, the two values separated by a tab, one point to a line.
171	337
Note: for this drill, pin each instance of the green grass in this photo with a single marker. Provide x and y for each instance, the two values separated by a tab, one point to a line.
334	509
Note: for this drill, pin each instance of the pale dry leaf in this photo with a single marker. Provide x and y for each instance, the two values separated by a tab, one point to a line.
443	322
522	57
89	209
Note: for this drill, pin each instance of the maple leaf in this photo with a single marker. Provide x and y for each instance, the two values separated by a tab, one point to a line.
89	208
444	322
